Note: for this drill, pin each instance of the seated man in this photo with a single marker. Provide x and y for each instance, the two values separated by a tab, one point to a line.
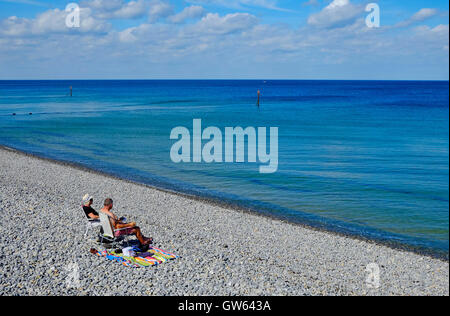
131	228
91	214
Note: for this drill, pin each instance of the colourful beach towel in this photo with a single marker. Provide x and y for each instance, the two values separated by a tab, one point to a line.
115	258
152	257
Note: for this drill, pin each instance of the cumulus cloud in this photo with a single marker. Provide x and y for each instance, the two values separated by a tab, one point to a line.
159	10
437	36
338	13
192	12
213	23
50	22
132	10
15	27
147	33
213	41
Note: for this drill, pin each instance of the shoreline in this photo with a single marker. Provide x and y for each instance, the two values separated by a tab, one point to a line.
222	251
440	255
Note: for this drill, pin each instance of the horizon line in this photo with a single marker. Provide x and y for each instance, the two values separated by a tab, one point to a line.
224	79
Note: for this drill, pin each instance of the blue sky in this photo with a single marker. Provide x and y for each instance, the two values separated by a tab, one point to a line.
242	39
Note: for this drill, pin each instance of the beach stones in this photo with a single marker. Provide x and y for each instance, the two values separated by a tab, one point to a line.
221	251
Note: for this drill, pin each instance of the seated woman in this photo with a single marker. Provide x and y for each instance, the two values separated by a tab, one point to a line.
130	229
91	214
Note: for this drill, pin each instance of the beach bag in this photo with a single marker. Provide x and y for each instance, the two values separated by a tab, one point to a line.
129	252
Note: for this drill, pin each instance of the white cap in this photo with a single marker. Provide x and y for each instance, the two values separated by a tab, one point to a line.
87	198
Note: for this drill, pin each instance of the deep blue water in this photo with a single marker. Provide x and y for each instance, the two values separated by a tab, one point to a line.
360	157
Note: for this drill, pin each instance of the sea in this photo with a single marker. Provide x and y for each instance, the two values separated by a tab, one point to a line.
368	159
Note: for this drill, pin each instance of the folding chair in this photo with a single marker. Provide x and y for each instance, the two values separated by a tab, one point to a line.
91	223
109	232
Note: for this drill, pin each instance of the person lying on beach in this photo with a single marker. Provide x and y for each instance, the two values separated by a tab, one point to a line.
91	214
130	228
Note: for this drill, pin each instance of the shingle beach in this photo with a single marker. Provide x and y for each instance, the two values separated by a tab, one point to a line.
223	251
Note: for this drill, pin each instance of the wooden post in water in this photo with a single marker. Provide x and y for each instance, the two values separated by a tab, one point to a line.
259	96
70	91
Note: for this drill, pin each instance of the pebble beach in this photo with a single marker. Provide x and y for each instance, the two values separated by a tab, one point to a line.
223	251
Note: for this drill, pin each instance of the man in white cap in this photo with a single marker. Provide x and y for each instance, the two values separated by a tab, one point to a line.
91	214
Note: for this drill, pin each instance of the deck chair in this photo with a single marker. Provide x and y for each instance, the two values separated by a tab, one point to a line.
90	223
109	232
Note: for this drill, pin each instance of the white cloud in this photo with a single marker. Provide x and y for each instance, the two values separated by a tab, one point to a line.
338	4
50	22
424	14
213	23
15	27
227	43
103	5
420	16
147	33
192	12
159	10
436	37
241	4
338	13
132	10
118	9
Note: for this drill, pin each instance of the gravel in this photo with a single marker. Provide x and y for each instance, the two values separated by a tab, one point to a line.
223	251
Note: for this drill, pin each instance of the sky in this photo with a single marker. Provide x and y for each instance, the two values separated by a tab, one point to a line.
224	39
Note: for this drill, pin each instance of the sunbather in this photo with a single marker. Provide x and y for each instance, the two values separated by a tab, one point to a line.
130	228
91	214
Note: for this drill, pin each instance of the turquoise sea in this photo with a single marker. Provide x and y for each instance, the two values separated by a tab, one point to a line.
366	158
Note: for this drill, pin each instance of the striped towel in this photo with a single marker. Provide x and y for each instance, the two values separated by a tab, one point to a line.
153	257
115	258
